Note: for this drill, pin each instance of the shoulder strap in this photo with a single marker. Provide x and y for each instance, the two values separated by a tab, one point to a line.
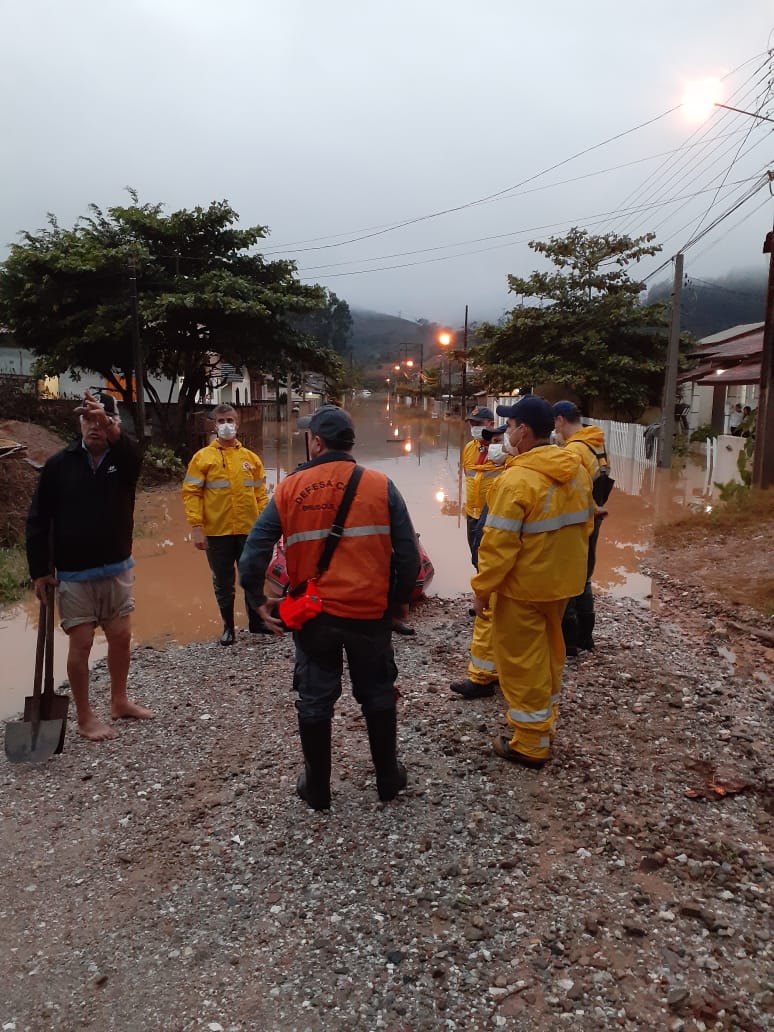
334	535
597	455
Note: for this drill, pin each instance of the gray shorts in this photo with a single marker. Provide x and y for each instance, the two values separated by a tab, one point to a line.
95	601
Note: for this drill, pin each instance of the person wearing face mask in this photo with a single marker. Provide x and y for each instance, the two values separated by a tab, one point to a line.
589	444
531	560
482	673
224	492
479	470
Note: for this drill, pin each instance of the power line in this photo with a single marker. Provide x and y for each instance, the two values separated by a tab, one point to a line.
728	172
751	193
480	200
586	220
356	236
708	137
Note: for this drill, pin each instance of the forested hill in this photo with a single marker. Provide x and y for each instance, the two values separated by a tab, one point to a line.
376	338
710	307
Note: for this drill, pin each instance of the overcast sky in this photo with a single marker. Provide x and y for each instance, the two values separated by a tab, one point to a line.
327	120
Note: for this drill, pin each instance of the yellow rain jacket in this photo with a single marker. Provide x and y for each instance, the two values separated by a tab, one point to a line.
478	478
595	438
224	490
535	542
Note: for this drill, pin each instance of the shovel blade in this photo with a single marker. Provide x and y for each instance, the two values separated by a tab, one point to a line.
52	707
27	743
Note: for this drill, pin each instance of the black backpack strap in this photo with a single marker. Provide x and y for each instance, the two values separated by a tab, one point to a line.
336	531
598	455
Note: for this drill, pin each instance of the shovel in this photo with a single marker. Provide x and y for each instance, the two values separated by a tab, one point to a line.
40	734
52	706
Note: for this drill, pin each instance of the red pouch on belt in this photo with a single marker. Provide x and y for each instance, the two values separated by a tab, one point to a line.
300	606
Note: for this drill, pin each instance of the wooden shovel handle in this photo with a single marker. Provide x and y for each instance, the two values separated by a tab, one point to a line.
49	674
40	649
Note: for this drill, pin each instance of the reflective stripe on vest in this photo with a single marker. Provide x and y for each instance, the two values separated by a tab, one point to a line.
254	483
217	484
349	532
196	481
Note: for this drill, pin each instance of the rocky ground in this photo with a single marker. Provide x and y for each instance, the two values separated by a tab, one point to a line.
171	879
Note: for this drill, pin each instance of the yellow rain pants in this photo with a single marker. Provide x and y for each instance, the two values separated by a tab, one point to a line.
529	654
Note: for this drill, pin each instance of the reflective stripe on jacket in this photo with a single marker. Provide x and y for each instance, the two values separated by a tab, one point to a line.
535	542
357	582
478	479
224	490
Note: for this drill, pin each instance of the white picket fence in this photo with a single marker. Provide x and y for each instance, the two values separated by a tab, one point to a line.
627	441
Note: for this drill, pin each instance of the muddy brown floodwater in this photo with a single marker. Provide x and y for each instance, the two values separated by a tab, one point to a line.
421	455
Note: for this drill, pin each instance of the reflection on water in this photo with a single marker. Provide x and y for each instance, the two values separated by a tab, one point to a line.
175	601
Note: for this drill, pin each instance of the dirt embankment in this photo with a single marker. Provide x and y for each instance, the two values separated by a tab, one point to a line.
723	556
18	474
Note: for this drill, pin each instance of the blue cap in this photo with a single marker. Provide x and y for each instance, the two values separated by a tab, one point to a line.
569	410
480	414
533	411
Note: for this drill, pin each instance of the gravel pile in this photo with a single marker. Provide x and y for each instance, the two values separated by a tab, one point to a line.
171	879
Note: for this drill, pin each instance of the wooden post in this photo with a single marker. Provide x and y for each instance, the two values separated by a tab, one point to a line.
670	380
763	457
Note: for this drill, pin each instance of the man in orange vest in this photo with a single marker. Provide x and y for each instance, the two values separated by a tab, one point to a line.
375	565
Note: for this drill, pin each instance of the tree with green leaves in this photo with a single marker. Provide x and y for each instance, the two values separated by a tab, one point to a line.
205	295
330	326
582	326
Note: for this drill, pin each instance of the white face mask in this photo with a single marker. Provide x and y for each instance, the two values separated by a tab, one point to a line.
496	454
511	449
476	433
226	431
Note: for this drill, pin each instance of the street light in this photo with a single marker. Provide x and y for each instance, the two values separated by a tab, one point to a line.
444	339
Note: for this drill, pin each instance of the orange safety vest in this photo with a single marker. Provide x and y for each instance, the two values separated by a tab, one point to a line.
357	582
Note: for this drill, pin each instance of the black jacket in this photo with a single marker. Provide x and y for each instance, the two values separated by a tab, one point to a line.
87	515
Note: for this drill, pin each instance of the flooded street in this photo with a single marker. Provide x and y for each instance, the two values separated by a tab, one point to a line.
173	589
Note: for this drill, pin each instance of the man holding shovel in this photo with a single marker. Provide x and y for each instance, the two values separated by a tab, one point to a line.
80	525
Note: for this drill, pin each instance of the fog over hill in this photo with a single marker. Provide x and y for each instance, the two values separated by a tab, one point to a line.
706	307
710	307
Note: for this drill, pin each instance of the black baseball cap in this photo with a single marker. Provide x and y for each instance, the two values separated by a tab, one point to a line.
532	410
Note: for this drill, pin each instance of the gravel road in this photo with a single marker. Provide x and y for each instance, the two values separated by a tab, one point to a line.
171	880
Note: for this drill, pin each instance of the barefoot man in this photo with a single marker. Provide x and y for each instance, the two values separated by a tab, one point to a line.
80	526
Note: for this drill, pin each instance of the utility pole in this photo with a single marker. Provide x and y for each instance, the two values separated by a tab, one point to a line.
139	372
670	380
403	349
763	457
464	363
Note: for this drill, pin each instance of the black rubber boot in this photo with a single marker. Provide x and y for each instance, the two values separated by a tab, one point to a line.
382	737
314	785
570	633
229	635
586	623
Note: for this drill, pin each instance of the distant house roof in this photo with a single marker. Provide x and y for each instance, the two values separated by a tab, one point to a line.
731	333
747	372
719	356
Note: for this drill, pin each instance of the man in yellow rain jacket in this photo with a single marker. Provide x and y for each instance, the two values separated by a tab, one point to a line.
588	442
224	493
531	560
